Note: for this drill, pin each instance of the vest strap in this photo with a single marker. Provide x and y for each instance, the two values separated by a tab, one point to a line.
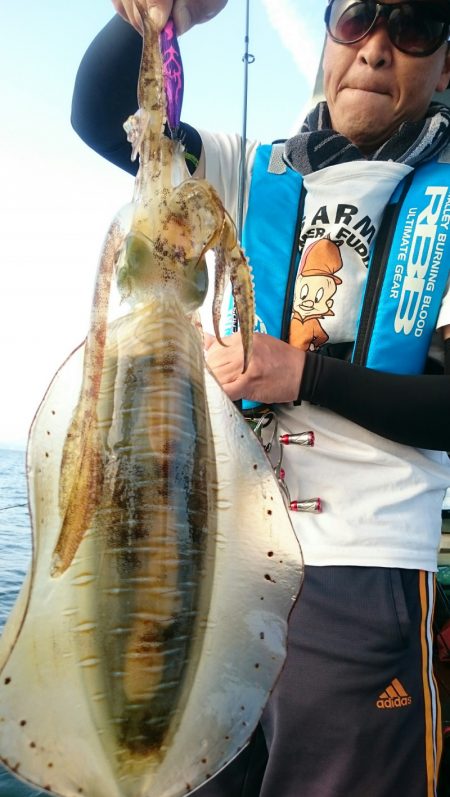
270	239
408	272
408	275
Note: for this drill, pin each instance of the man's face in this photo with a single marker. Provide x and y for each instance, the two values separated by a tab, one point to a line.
371	87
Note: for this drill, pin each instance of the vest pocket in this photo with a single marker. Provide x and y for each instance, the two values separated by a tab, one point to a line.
400	602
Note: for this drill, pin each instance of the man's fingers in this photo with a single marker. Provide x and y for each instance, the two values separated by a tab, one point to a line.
187	13
159	11
226	362
208	340
128	11
182	18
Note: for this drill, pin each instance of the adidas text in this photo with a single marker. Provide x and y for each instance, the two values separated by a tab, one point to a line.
394	702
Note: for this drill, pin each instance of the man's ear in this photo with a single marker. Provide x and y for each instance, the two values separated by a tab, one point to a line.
444	79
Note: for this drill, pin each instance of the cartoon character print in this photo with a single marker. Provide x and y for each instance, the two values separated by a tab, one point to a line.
315	286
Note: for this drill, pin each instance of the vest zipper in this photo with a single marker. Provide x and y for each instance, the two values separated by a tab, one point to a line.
292	273
375	277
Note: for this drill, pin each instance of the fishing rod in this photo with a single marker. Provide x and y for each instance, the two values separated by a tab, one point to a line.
248	59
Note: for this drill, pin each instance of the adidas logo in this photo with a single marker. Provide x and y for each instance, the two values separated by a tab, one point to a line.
395	696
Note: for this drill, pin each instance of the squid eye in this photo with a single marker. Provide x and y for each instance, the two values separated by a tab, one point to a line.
304	291
319	295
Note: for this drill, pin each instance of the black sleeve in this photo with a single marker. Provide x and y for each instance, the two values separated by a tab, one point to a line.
413	410
105	91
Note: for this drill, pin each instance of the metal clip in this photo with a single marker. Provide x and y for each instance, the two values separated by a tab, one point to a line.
305	439
312	505
302	439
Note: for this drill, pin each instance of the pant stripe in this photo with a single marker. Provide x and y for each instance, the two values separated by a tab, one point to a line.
438	719
433	741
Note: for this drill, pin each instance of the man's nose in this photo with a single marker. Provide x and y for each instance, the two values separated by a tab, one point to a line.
376	48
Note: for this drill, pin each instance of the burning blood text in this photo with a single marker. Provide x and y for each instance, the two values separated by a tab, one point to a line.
419	260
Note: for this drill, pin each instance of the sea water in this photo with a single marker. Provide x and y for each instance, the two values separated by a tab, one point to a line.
15	555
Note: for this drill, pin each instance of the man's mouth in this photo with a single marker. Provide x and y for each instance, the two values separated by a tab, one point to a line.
370	89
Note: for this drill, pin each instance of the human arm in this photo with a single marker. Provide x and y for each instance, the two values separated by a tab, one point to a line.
446	339
105	95
105	92
105	86
412	410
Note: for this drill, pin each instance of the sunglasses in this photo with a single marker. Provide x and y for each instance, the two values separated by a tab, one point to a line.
416	28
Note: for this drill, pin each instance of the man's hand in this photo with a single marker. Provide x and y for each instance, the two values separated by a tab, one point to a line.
274	373
186	13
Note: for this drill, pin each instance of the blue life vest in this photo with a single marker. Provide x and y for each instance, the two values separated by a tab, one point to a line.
405	284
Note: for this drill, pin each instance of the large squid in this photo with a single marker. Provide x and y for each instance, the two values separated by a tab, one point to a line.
152	624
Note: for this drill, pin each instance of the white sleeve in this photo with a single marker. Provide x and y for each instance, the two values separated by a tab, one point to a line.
222	167
222	163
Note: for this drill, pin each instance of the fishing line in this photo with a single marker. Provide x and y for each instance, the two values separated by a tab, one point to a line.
13	506
248	59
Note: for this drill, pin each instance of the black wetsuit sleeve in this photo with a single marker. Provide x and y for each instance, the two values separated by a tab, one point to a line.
413	410
105	96
105	91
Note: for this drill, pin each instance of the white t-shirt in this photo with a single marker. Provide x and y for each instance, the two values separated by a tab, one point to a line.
381	500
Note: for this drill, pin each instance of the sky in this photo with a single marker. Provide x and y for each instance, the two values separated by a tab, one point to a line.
57	197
